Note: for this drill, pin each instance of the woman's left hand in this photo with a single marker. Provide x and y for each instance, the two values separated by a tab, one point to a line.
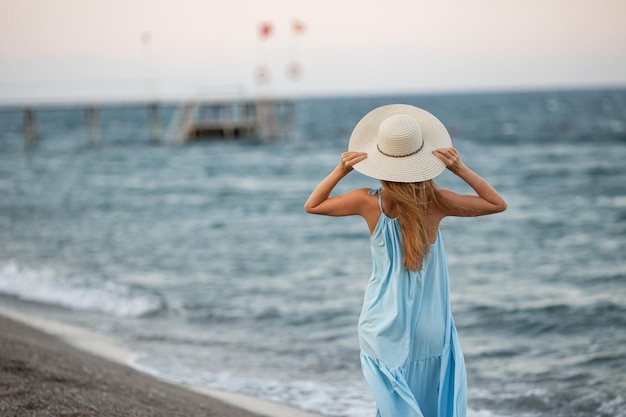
349	159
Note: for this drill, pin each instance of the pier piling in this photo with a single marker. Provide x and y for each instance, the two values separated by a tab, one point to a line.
154	122
92	125
30	128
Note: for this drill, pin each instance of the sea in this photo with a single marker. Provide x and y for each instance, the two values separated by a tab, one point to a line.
201	260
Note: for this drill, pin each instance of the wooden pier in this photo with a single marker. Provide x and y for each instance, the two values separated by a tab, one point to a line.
266	119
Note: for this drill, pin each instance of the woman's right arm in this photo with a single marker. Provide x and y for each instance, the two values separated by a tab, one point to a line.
487	200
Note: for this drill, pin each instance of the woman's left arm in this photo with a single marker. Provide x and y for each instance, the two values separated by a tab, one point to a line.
320	202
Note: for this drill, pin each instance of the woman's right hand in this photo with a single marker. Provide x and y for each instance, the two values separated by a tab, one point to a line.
450	157
487	200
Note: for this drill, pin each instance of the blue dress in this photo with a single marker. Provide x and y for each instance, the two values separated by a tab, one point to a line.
410	353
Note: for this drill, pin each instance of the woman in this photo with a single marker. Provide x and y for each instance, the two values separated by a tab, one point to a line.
410	354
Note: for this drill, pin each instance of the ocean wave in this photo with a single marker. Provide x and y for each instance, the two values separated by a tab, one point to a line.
520	400
75	293
558	318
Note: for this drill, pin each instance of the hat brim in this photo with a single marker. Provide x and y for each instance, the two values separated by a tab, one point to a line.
419	167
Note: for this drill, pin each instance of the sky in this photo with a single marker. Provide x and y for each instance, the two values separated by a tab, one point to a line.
126	49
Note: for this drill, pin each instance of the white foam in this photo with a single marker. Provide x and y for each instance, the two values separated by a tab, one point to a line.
329	399
77	293
83	339
615	407
315	397
105	347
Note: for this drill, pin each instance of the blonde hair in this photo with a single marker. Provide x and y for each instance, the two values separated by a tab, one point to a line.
414	201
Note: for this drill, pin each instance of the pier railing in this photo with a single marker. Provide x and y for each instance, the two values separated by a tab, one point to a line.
193	120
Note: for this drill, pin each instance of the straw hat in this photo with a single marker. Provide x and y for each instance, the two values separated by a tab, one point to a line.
399	140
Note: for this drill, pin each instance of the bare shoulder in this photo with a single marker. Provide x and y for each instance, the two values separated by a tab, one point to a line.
367	203
359	194
366	197
363	203
362	191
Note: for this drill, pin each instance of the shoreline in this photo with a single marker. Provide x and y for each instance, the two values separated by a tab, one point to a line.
51	368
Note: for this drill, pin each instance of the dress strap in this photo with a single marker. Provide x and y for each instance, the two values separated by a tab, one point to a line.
380	199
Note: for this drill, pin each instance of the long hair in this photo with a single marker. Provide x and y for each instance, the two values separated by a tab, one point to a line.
414	202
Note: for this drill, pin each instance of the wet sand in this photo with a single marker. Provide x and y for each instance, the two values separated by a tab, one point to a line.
40	375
